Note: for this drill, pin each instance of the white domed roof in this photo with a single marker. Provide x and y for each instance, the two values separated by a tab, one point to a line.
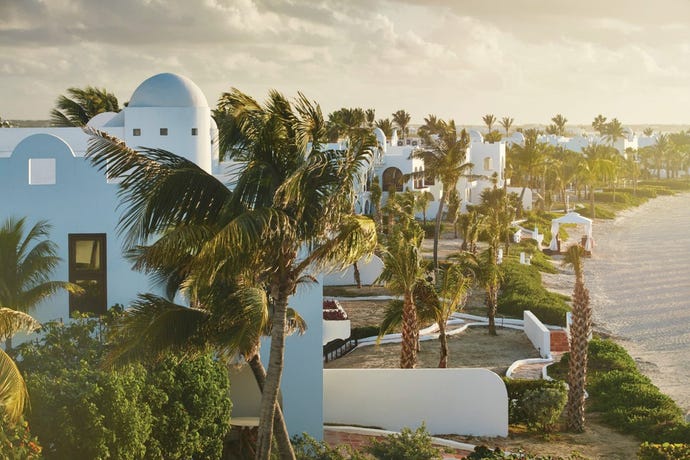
168	90
99	120
476	136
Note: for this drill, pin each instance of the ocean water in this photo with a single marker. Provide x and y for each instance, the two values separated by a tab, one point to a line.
639	282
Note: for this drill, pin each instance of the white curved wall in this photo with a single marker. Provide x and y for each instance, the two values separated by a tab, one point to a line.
459	401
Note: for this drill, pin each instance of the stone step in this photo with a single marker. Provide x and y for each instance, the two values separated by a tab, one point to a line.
559	341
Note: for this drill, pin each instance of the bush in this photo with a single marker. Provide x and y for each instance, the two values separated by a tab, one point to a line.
544	406
17	442
663	451
520	407
308	448
484	453
363	332
408	444
177	409
522	290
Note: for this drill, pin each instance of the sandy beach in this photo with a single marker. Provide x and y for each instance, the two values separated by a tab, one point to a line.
639	282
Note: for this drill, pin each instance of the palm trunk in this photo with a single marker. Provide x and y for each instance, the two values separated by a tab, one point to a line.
591	199
408	354
279	427
492	303
269	397
577	368
358	278
437	232
443	338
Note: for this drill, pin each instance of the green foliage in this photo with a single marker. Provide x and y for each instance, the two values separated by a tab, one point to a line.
175	409
601	213
539	260
520	408
672	184
627	399
665	451
188	424
522	290
362	332
408	444
17	442
543	406
430	229
485	453
308	448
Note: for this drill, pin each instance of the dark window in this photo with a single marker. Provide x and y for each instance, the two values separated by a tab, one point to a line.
136	132
87	269
195	131
164	131
392	180
429	179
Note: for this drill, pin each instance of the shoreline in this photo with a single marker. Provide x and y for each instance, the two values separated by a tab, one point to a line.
620	303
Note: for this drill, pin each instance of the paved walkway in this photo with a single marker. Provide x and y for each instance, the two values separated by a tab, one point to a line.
534	371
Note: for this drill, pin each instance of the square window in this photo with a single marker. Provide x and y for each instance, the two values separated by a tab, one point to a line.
164	131
136	132
195	131
42	171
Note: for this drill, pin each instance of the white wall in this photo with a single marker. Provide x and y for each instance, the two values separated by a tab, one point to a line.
339	329
538	334
460	401
368	272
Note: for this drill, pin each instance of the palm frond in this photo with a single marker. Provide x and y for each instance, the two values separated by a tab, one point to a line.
13	394
12	322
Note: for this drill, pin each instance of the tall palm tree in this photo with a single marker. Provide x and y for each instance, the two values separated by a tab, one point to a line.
559	122
526	160
596	164
648	131
289	195
489	121
28	259
446	160
81	105
599	124
613	131
454	287
370	115
506	123
403	270
580	330
385	125
13	394
402	119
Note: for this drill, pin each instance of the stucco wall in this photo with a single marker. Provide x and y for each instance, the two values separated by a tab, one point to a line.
461	401
538	334
368	272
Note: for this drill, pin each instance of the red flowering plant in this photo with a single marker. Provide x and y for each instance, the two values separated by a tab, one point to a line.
16	441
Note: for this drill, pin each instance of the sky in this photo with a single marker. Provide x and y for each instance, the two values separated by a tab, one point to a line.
460	59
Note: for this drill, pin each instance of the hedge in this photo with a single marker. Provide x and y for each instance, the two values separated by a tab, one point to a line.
665	451
521	289
517	389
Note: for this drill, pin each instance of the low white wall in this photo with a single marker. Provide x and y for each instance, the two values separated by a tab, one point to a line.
332	330
538	334
458	401
368	272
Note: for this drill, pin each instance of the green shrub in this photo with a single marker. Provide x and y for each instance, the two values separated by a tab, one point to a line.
665	451
601	213
518	389
363	332
308	448
17	442
543	406
484	453
408	444
177	409
522	290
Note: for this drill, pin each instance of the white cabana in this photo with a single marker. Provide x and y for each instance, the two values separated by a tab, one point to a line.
571	218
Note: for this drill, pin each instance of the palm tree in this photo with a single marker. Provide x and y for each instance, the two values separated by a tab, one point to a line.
289	195
403	270
489	121
422	200
559	122
13	394
385	125
28	260
81	105
526	160
402	119
5	123
595	164
507	122
370	115
445	159
599	124
454	287
613	131
648	131
580	330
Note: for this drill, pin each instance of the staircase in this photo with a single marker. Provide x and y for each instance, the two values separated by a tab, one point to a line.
559	341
